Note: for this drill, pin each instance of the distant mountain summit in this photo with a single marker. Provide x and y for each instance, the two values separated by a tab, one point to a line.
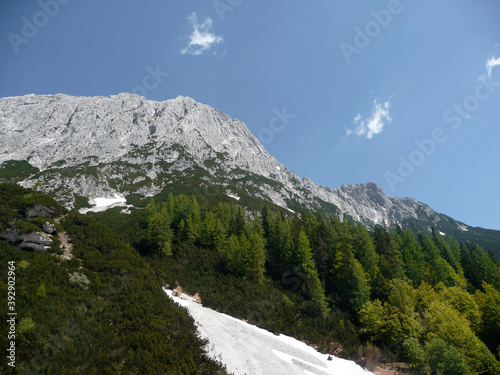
82	148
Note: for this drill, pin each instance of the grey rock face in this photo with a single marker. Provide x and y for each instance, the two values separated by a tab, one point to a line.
49	228
38	241
39	210
98	146
34	241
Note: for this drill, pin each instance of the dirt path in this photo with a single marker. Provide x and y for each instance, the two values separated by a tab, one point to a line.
66	244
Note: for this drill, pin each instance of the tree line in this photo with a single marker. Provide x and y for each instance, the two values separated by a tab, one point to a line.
423	299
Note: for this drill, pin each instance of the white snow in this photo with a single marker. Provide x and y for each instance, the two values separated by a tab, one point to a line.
231	195
442	233
247	349
102	204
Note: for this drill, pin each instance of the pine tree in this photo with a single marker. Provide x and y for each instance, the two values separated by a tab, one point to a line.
446	253
264	215
232	253
391	264
280	246
365	250
237	224
207	230
256	258
413	257
489	304
212	234
159	227
194	222
348	278
322	248
439	269
306	270
472	271
312	226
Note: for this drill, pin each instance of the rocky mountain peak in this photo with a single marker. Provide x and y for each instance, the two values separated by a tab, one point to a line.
91	147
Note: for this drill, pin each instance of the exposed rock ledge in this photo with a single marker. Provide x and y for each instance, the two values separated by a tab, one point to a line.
37	241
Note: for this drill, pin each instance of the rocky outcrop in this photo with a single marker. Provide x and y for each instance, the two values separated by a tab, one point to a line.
39	210
49	228
34	241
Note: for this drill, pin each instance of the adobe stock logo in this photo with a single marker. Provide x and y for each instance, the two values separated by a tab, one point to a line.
454	116
150	81
276	125
223	6
372	29
40	19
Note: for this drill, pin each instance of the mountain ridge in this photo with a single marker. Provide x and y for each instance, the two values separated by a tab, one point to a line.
94	147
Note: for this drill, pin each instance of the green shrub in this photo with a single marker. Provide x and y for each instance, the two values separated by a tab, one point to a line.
413	351
444	359
25	227
25	325
79	279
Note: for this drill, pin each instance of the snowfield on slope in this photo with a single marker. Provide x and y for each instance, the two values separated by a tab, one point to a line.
248	350
102	204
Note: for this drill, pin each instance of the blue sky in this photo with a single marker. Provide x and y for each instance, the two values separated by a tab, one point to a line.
400	93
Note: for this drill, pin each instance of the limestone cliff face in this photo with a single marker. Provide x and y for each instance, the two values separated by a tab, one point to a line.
99	146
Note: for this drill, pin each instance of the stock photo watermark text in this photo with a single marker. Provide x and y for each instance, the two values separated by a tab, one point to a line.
277	124
150	81
372	29
31	26
11	314
223	6
454	116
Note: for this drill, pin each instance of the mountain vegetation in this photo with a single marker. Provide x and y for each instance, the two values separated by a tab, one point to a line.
432	303
102	312
420	299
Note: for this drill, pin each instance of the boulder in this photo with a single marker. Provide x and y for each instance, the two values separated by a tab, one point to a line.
35	241
40	210
38	241
49	228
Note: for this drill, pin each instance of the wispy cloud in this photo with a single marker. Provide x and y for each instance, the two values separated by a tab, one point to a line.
201	39
373	125
491	63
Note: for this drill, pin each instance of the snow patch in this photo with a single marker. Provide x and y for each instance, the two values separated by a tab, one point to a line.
463	228
442	233
102	204
247	349
230	194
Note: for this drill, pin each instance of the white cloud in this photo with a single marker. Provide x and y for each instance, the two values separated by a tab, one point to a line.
491	63
379	117
201	39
